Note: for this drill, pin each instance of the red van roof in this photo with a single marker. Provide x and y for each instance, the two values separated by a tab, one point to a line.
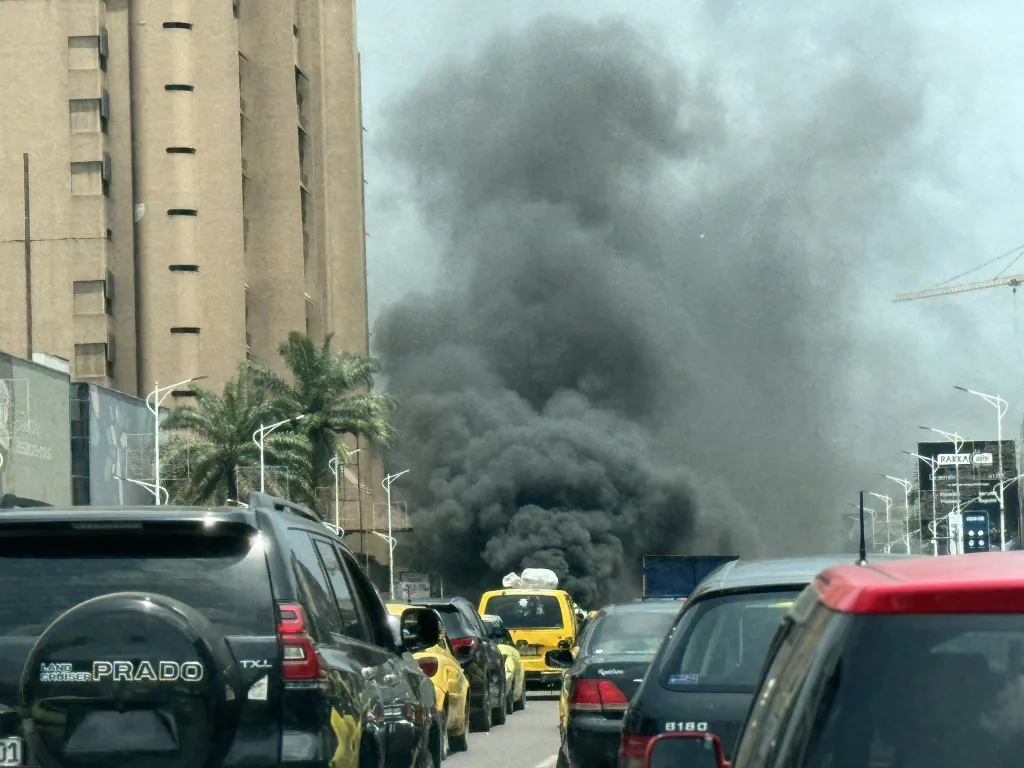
990	582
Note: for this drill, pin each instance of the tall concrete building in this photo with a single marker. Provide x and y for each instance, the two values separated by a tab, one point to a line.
180	184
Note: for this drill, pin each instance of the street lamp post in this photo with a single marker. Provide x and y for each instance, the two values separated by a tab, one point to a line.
335	468
1001	407
907	485
933	465
958	443
386	482
888	526
260	435
874	517
159	394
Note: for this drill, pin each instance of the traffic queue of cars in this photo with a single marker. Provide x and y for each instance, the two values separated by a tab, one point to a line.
806	663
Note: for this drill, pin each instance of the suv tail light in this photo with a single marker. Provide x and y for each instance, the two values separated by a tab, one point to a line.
597	696
633	750
428	665
299	657
464	646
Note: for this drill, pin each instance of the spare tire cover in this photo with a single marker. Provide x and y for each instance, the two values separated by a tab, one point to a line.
130	680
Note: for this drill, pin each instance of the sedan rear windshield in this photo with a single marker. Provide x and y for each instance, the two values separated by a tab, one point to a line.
224	577
722	642
527	611
639	632
917	692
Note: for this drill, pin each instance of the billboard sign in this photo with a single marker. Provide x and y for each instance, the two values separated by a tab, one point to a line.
966	481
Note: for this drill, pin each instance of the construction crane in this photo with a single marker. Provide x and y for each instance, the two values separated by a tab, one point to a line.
945	290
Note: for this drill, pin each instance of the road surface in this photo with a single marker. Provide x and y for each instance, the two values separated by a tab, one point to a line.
528	739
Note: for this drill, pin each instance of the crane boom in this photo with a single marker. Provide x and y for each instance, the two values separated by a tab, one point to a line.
1012	280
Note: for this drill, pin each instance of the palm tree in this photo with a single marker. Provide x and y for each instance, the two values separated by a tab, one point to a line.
219	443
333	390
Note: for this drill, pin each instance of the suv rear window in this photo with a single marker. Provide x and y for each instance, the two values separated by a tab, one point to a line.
527	611
222	574
455	625
722	642
919	690
636	632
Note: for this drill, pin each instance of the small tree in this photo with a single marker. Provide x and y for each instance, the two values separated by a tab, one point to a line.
333	390
218	443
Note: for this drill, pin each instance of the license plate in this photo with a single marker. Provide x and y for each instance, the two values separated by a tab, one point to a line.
10	751
531	650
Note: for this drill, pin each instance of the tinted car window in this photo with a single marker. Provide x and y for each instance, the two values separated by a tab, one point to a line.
313	583
527	611
350	619
724	641
455	624
920	692
639	632
223	575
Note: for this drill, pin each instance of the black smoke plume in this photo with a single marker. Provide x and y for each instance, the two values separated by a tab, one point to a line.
626	356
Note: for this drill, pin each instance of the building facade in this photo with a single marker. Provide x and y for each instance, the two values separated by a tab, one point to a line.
180	184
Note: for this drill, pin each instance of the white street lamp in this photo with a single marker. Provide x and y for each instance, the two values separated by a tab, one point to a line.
1001	407
159	394
934	466
336	468
958	443
874	517
888	529
907	485
260	434
386	483
151	487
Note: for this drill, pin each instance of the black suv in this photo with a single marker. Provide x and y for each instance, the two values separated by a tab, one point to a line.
480	659
168	637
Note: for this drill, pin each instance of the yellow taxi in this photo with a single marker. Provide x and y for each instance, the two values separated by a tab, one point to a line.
515	675
540	621
450	687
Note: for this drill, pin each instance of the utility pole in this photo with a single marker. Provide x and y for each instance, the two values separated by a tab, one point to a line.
28	259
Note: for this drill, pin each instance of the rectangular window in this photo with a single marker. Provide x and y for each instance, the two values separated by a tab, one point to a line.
350	618
90	360
87	178
85	115
90	297
220	572
84	52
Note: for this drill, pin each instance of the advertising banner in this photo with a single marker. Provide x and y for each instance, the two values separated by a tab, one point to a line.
963	492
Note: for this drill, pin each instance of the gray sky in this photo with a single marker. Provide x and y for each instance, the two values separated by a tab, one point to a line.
956	206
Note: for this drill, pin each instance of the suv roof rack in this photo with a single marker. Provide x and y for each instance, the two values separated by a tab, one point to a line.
266	501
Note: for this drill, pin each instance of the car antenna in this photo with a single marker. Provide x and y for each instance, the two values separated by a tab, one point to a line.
863	542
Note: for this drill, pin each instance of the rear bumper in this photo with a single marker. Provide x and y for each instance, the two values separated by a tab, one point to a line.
548	679
593	740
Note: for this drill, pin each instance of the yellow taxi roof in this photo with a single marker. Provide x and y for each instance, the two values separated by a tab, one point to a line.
524	591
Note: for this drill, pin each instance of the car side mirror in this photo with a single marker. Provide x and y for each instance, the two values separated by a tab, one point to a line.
420	628
699	750
561	659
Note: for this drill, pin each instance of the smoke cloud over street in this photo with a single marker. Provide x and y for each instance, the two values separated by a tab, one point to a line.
640	332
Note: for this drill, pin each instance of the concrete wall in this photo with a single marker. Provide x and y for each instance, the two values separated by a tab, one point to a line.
34	432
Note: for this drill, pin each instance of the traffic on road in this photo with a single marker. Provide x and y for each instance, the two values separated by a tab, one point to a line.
251	636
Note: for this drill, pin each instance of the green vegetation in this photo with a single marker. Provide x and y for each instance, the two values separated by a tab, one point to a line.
212	456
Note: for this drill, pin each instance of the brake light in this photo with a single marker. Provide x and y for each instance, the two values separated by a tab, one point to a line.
299	657
464	646
633	750
597	696
428	665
